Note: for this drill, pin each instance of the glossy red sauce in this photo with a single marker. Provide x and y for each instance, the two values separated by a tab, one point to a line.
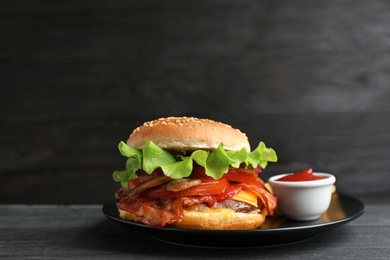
305	175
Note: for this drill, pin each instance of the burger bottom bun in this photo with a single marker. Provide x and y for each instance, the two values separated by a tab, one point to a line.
221	219
213	219
129	216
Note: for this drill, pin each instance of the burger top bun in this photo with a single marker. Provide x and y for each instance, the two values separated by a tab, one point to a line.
186	134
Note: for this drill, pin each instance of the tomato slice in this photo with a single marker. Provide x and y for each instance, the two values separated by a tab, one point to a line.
241	175
207	187
228	193
234	174
221	188
133	183
199	172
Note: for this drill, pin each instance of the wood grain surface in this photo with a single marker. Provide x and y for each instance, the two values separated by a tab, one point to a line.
310	78
82	231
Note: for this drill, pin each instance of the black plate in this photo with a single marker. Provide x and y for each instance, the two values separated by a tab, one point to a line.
274	231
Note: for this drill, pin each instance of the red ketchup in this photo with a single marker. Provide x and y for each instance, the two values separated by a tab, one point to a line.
305	175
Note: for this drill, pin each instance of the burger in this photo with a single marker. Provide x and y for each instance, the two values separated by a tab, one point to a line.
193	173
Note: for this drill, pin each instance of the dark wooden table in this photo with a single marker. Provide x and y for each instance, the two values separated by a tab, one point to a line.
310	78
83	232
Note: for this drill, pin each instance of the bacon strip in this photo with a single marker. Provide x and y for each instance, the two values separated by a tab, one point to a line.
147	185
269	201
160	212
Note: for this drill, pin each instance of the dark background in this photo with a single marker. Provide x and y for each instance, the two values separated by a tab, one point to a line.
309	78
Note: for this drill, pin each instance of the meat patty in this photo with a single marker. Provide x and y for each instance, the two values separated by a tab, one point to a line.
234	205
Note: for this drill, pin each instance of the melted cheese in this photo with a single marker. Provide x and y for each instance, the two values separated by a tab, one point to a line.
247	197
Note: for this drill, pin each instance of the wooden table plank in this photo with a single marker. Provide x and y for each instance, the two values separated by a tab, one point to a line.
82	231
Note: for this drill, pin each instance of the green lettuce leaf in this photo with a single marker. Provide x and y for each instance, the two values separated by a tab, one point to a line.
200	157
129	151
237	157
133	164
179	169
261	156
154	157
216	163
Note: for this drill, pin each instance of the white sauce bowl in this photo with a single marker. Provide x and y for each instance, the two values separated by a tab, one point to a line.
303	200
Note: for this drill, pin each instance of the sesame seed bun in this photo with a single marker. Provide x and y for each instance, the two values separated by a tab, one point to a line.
186	134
